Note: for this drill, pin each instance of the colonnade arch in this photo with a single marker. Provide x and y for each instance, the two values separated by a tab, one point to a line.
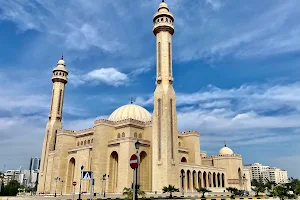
113	171
144	172
70	175
192	179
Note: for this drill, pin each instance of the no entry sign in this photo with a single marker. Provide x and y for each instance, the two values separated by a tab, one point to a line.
133	161
74	183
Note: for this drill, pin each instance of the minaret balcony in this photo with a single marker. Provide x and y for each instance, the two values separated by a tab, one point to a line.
163	26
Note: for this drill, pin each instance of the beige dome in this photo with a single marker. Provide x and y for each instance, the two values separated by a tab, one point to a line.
61	62
130	111
225	151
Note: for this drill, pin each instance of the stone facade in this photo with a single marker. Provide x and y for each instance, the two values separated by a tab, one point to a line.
166	155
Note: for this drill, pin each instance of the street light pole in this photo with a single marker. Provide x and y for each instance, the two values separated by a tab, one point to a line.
137	146
104	183
56	179
79	196
62	182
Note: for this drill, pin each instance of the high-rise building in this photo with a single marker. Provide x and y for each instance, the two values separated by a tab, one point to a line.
265	173
275	175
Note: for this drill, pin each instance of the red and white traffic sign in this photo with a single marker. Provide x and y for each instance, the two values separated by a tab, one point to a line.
74	183
133	161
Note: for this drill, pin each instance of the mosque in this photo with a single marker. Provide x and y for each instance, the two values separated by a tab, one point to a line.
167	156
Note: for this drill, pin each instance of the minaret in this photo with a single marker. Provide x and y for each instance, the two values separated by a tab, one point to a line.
164	137
59	79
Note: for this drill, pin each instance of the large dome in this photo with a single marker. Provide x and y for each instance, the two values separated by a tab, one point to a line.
130	111
225	151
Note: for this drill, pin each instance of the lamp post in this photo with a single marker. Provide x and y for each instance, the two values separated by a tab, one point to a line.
56	179
81	169
104	183
62	182
137	146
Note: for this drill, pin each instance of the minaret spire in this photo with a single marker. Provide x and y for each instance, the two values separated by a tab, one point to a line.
164	125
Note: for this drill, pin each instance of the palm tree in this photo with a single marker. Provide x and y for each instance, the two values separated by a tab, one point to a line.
203	190
170	189
128	192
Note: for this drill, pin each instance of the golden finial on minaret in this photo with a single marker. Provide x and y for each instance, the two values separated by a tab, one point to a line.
131	100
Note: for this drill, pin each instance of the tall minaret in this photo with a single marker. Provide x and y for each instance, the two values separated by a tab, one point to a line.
59	79
164	147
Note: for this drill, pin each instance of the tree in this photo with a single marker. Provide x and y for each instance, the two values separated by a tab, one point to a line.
11	189
258	189
203	190
232	190
283	192
297	189
170	189
128	192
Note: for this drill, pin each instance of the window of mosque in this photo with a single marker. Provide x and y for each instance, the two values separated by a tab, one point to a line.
81	142
77	143
161	19
89	141
59	73
119	135
183	159
179	144
135	135
84	142
92	140
123	134
140	135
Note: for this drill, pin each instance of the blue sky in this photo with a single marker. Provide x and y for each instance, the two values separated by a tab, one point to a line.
236	70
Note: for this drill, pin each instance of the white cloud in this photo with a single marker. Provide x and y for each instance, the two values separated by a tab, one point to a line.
108	76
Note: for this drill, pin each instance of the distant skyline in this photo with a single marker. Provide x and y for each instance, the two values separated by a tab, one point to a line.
236	71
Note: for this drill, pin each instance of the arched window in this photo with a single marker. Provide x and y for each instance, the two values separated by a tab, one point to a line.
119	135
123	134
183	159
60	73
84	142
140	135
161	19
77	143
179	144
135	134
89	141
92	140
81	142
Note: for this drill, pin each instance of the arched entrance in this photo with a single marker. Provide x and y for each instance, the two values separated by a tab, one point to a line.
204	179
70	176
182	177
144	172
188	180
223	180
209	179
219	181
113	171
183	159
199	179
214	180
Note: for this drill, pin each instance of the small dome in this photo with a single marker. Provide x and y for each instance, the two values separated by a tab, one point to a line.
163	5
225	151
130	111
61	62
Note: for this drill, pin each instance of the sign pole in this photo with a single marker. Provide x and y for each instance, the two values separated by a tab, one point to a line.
134	184
74	192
